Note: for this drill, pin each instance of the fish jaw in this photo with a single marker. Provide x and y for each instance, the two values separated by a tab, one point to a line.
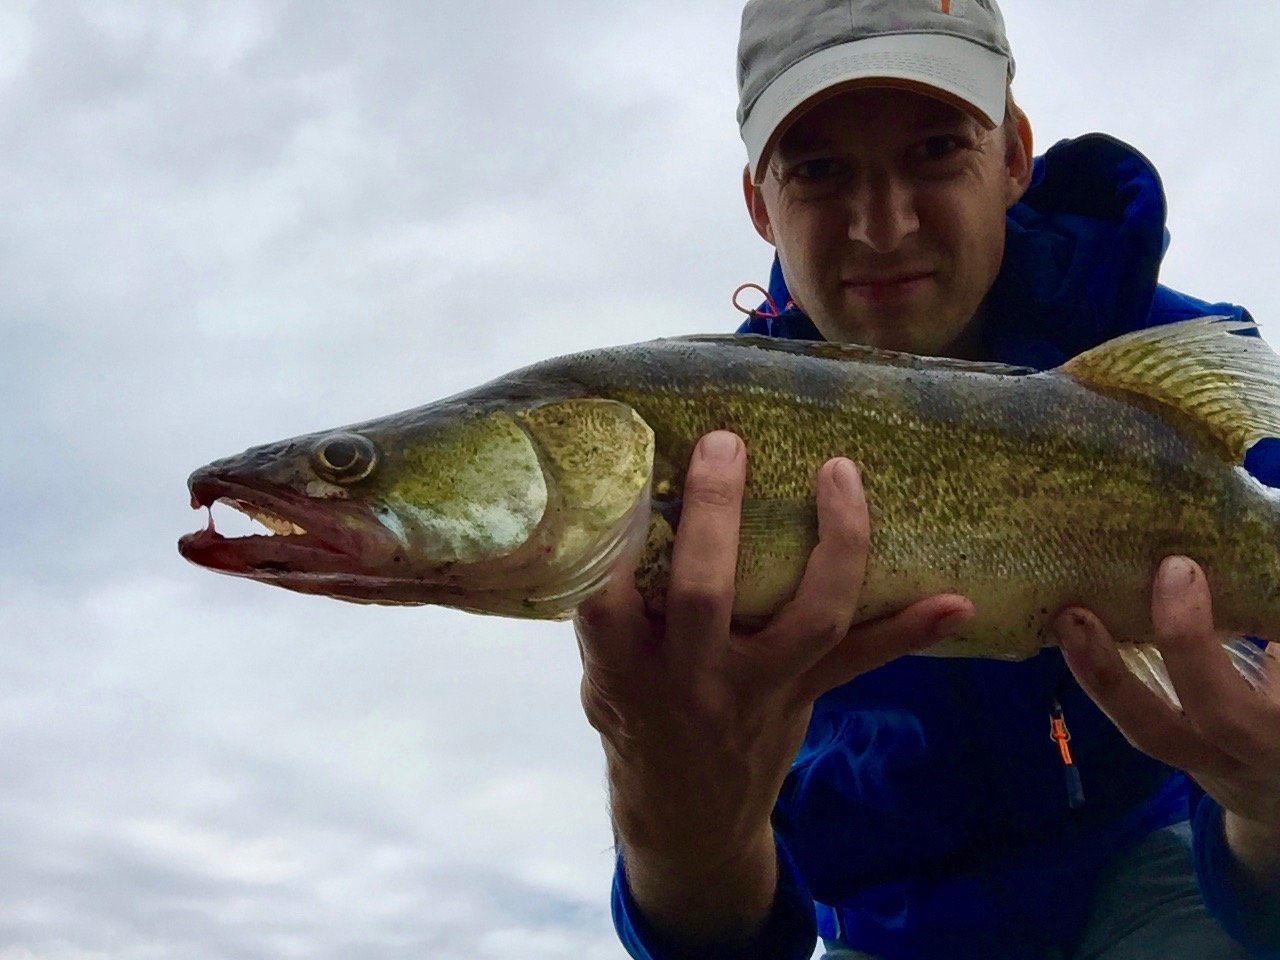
315	541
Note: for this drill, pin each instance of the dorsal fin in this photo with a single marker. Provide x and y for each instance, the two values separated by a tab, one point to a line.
1203	367
856	352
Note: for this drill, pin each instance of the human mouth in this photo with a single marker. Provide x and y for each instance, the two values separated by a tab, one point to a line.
888	287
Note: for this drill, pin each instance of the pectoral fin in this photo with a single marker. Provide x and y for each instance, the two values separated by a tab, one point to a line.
1145	661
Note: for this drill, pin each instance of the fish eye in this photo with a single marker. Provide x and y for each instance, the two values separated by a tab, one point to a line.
344	458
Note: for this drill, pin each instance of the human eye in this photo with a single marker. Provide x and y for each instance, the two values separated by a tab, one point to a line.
939	147
815	170
819	169
941	155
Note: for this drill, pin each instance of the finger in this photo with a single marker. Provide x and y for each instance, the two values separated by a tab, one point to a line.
704	558
617	649
826	599
1217	700
612	625
874	643
1271	668
1139	713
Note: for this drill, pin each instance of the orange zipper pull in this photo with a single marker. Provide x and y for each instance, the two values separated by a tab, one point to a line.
1060	735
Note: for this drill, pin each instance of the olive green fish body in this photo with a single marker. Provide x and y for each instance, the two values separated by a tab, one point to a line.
1024	491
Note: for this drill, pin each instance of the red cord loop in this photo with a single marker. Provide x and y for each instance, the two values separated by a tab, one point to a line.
773	310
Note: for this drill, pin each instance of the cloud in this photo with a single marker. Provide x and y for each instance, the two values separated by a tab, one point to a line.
230	222
208	777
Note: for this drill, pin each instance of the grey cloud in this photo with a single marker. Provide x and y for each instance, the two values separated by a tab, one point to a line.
226	223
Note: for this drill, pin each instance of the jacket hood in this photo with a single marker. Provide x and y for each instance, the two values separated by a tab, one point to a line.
1082	253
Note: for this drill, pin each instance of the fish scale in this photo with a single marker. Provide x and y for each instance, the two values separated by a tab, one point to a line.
1023	490
978	467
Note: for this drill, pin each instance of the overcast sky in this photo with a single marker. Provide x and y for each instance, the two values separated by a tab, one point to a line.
228	222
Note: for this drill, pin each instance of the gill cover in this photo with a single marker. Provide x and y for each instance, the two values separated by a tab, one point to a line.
584	464
473	491
598	456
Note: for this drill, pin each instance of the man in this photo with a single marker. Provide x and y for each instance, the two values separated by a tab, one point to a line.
920	801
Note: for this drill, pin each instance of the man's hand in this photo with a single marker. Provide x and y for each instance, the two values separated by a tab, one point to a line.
700	722
1228	735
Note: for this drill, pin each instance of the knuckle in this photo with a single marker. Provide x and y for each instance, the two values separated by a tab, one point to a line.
1156	742
1110	680
850	536
592	620
903	629
592	702
710	492
602	712
1180	635
842	527
696	598
825	627
1217	726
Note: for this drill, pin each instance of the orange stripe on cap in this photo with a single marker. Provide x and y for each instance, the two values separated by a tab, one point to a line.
946	6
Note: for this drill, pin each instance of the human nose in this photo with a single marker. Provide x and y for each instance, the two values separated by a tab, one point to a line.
882	213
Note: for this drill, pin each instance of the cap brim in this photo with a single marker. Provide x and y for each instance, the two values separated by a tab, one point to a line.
966	74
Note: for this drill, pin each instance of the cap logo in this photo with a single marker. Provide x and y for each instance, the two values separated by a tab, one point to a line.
946	6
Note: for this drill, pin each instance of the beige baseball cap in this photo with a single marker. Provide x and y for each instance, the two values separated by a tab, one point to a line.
792	54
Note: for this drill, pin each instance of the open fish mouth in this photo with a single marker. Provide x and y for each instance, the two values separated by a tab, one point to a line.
278	526
304	536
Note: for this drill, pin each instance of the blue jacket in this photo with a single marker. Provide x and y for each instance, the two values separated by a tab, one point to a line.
927	811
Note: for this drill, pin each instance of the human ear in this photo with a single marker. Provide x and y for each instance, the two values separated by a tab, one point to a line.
756	208
1018	154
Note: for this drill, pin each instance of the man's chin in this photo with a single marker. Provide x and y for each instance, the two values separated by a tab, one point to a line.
904	330
903	334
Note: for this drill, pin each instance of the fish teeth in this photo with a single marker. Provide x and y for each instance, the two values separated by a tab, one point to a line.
273	522
277	525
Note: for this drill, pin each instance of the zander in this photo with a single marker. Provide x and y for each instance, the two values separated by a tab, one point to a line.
1022	490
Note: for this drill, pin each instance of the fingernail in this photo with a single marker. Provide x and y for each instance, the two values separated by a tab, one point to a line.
720	446
1175	575
846	477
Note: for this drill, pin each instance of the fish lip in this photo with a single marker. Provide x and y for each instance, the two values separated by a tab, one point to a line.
207	489
325	540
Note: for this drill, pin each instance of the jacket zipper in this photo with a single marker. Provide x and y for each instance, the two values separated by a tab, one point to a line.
1060	735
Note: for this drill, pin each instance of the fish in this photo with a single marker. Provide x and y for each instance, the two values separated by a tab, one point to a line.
1023	490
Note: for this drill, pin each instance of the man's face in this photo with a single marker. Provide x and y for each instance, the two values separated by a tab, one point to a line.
887	209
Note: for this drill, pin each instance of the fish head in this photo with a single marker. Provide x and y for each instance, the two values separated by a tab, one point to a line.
494	507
